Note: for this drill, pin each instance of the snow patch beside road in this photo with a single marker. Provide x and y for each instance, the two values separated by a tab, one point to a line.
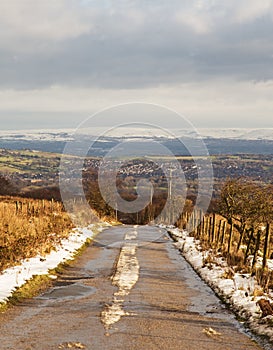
14	277
238	290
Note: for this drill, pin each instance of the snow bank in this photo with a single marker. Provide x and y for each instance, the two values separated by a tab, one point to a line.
240	291
16	276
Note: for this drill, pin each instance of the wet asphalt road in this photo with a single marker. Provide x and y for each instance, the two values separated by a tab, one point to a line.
131	289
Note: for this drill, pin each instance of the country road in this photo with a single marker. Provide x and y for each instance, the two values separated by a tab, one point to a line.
131	289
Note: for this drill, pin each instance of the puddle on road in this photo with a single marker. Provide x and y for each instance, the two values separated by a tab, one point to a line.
68	291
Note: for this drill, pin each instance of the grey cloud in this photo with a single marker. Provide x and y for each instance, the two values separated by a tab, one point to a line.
139	44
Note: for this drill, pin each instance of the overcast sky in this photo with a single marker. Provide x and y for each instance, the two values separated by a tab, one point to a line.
62	60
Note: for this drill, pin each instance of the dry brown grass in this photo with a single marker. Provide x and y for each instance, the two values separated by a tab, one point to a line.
30	227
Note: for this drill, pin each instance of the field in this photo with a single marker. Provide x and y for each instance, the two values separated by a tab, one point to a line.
28	161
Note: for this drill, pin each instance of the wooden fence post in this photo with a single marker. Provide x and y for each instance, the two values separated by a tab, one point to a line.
213	228
17	207
210	229
266	245
200	224
223	233
218	233
52	205
230	236
257	246
203	226
241	237
248	244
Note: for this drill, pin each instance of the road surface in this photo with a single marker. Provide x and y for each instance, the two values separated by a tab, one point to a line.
131	289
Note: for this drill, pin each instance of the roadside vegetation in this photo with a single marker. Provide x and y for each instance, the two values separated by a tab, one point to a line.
239	229
29	227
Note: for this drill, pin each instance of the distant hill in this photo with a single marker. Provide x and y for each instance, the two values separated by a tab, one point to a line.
218	141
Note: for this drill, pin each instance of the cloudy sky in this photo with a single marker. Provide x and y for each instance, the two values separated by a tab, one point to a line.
62	60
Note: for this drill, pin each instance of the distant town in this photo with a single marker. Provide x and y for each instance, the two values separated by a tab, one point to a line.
29	171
